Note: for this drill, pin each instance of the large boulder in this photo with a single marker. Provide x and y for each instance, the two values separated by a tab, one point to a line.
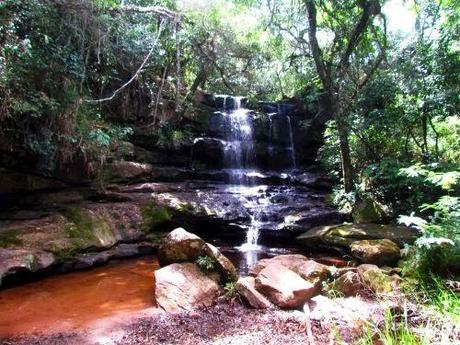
246	288
368	211
182	246
309	270
284	287
379	252
184	286
345	234
24	261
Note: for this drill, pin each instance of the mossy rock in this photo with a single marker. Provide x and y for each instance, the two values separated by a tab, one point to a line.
345	234
153	216
86	229
368	211
379	252
376	279
10	238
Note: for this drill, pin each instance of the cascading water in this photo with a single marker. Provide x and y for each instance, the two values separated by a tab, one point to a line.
281	111
291	141
230	146
239	147
239	160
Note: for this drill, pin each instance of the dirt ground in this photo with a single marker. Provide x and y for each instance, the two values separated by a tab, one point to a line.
227	322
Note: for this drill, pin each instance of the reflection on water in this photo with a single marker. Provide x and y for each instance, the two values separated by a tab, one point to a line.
73	300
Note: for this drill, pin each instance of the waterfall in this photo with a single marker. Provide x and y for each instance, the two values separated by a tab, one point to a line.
239	147
291	141
239	160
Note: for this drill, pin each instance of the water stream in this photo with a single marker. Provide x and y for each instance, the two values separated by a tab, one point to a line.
75	300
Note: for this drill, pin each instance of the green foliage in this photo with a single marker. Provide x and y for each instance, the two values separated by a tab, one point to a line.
172	138
391	332
206	263
438	250
230	290
81	224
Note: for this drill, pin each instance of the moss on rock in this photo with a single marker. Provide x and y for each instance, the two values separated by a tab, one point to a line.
368	211
86	231
10	238
154	215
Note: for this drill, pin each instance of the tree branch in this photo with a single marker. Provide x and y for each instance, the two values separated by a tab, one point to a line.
314	45
164	12
370	8
135	75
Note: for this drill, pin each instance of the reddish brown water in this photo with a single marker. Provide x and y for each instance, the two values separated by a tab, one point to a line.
75	300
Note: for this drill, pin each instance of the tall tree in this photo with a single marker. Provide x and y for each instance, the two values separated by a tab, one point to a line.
346	62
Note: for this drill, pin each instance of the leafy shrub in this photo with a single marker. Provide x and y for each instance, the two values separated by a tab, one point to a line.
230	290
172	138
206	263
438	250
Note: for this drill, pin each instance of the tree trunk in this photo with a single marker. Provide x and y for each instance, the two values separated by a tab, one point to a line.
345	156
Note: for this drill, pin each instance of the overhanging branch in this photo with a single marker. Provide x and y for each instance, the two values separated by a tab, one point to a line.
161	11
135	75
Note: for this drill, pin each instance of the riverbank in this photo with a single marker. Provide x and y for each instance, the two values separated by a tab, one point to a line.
227	322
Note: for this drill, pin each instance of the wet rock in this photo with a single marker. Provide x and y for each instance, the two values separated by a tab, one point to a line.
313	181
345	234
184	286
268	107
125	171
87	260
368	211
306	219
18	182
246	288
280	127
126	250
219	125
23	262
78	234
208	152
284	287
378	252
